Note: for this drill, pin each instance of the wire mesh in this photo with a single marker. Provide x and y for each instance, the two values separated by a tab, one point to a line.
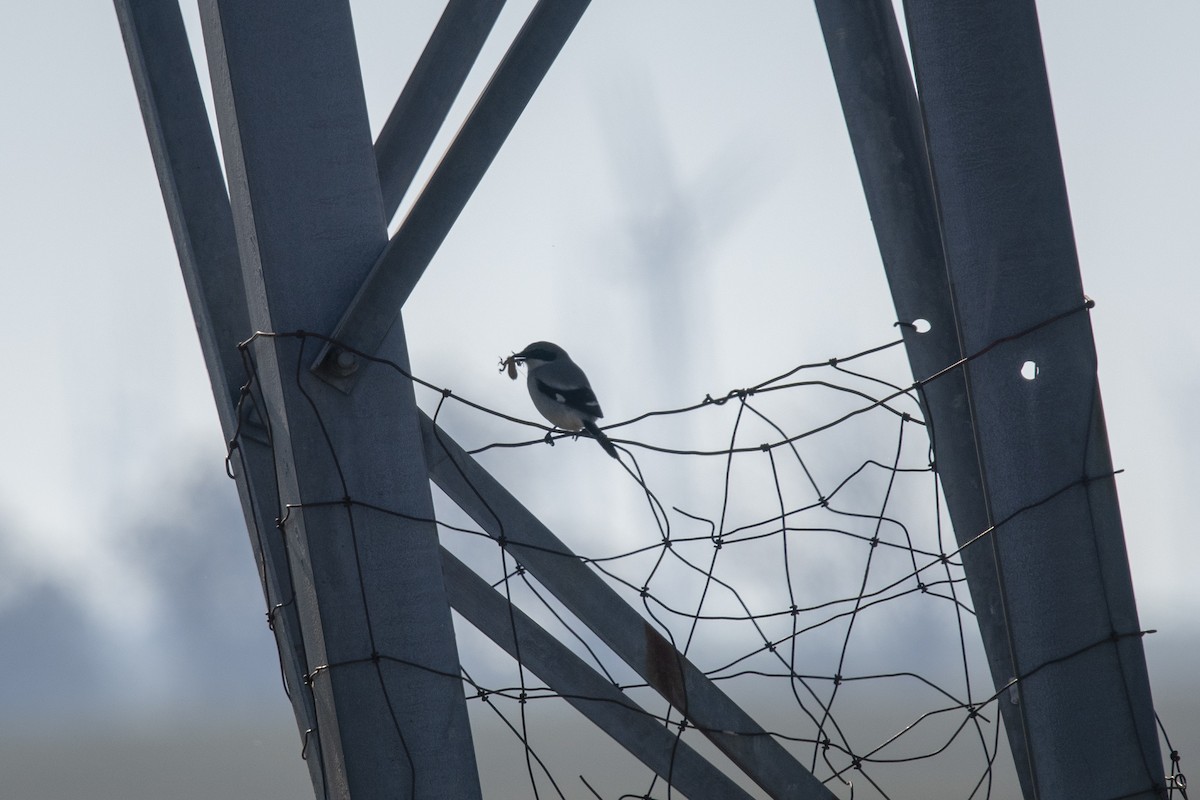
788	538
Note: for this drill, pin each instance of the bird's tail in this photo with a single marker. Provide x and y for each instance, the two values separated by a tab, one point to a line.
600	437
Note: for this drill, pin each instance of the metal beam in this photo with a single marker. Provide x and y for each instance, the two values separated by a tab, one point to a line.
1064	576
884	122
610	709
618	625
429	93
371	312
304	189
189	173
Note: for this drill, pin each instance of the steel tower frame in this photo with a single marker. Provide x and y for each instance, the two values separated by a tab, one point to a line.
964	181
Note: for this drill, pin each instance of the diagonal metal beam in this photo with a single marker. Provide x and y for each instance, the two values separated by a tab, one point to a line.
429	93
884	122
189	173
375	307
592	695
626	632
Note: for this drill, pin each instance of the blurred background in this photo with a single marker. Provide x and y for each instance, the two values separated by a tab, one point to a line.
689	158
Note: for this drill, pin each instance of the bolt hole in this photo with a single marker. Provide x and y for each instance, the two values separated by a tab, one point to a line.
921	325
1029	370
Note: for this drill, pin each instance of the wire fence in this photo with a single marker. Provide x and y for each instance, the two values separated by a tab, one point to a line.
787	538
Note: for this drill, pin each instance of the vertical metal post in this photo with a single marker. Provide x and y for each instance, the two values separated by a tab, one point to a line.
884	122
1065	586
189	173
305	194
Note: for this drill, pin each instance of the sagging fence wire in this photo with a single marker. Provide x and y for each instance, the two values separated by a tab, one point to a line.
820	590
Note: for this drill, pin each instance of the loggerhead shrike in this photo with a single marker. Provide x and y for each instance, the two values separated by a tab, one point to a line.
560	390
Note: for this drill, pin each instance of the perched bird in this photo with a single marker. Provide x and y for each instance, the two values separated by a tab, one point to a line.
561	392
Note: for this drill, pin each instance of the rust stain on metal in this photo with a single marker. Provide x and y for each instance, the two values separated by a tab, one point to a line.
664	668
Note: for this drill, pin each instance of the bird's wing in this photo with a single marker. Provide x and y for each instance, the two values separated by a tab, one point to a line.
579	398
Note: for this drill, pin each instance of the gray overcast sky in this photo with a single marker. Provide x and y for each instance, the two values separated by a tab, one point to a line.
705	148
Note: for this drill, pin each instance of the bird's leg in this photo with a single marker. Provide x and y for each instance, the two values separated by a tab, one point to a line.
550	436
